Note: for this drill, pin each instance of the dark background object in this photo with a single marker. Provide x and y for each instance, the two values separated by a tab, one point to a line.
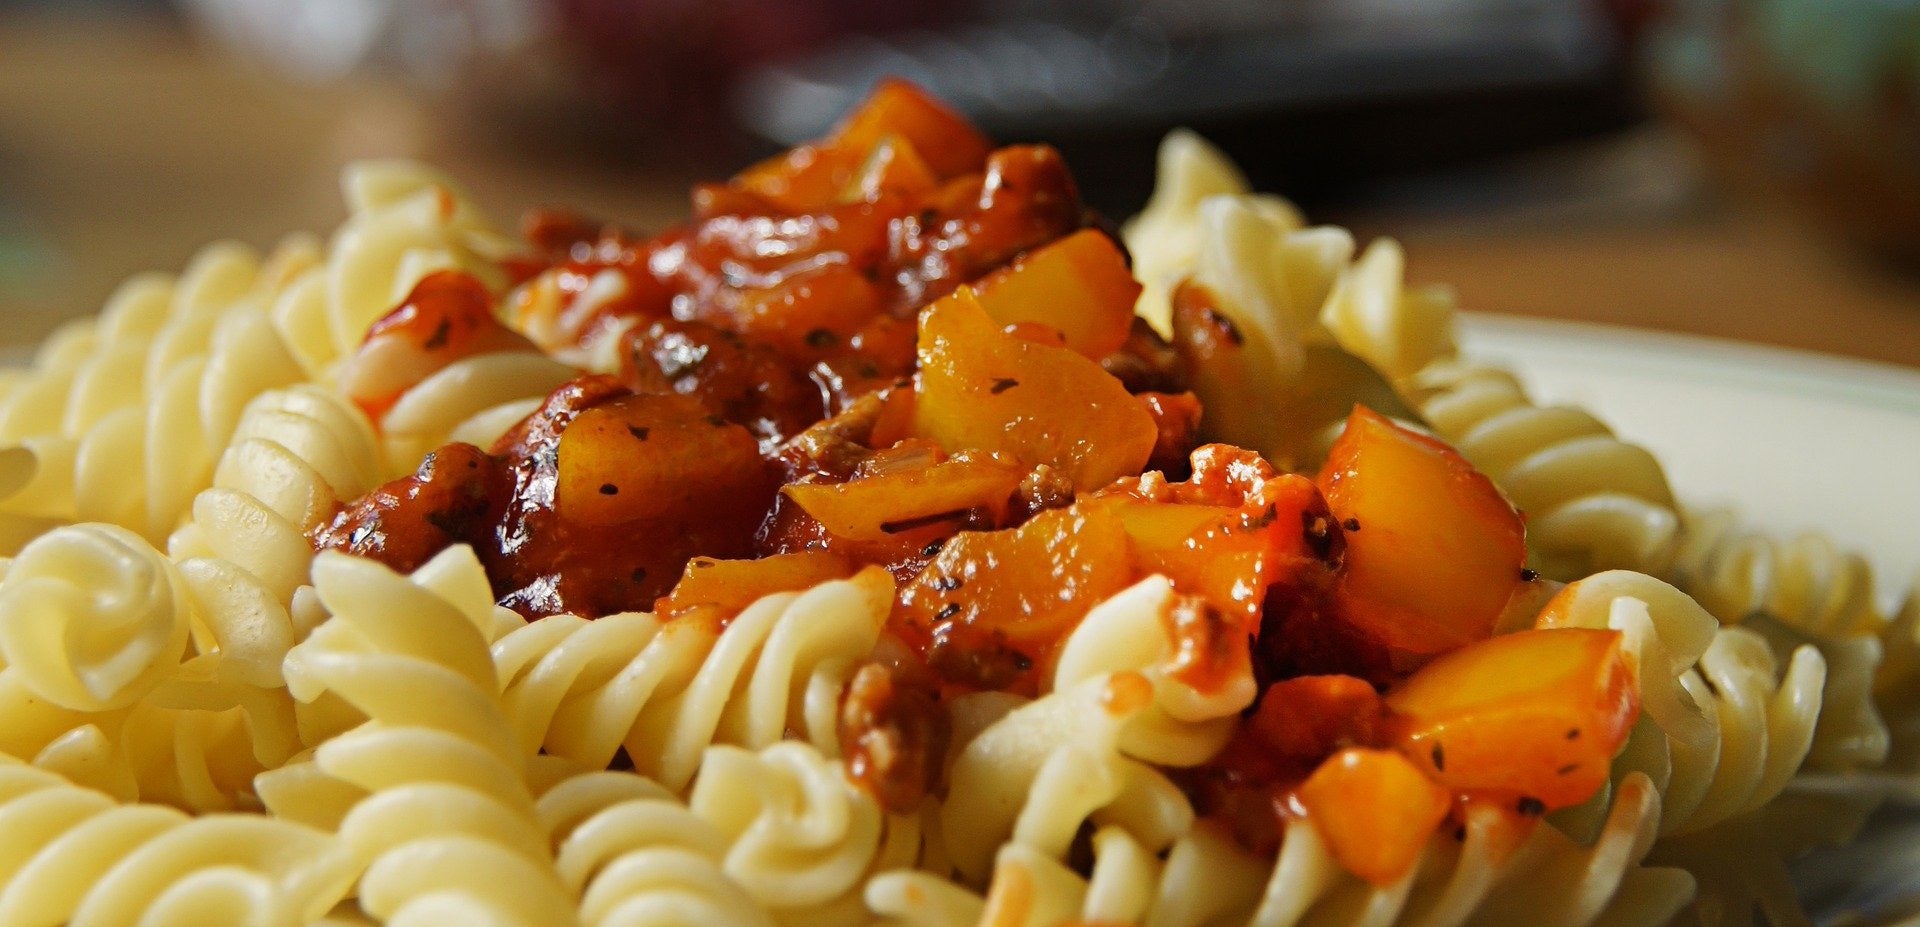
1311	98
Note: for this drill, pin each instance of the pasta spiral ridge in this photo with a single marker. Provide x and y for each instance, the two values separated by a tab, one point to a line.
1281	294
1806	582
73	856
582	689
1035	775
473	400
1805	589
97	633
1205	879
1896	683
92	618
1593	502
1130	632
1723	727
162	385
296	455
1165	238
405	221
635	855
1088	748
444	828
801	837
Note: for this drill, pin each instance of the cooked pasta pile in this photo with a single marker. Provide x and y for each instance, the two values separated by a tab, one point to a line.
888	545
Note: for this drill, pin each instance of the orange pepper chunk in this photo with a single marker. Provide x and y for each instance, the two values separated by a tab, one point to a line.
985	390
837	169
1433	550
1228	535
879	507
809	311
1079	285
651	457
949	143
893	168
1028	586
732	585
1311	717
805	179
1538	714
1375	811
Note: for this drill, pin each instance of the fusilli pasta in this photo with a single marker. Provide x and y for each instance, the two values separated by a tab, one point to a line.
447	830
1593	502
1204	879
73	856
1723	728
583	689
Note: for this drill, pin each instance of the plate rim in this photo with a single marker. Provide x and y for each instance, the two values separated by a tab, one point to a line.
1721	360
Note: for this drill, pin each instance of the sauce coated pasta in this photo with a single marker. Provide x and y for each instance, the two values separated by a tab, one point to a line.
894	542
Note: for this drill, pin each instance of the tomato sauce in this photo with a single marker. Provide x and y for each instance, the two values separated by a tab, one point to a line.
852	356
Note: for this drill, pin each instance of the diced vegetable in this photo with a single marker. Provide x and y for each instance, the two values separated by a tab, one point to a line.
806	179
985	390
1311	717
950	144
1228	534
893	168
1227	555
1535	714
648	457
878	507
849	164
809	310
732	585
1029	585
1079	285
1433	551
1375	811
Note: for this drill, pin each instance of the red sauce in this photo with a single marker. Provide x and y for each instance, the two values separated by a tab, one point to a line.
447	316
768	355
545	558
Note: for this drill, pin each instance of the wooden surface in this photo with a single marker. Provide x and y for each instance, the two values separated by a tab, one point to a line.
126	145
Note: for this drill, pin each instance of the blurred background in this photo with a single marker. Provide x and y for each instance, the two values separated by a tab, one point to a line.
1741	168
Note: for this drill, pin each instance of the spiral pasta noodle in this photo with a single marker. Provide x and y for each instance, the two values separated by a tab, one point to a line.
1184	725
447	827
1805	589
801	838
1593	502
1723	727
108	645
665	691
1034	776
1165	237
296	455
472	400
216	712
1205	879
73	856
1742	865
1896	682
163	383
164	377
92	618
405	221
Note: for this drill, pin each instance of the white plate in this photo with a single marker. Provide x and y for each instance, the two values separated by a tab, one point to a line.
1795	440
